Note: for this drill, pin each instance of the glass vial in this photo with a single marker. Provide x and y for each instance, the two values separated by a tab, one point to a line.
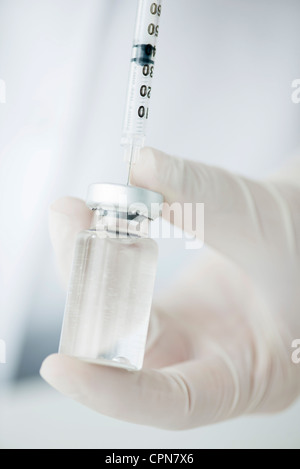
112	280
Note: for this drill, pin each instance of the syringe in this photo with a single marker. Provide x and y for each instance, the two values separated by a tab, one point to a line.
140	79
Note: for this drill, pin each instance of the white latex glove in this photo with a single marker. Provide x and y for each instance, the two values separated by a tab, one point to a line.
220	340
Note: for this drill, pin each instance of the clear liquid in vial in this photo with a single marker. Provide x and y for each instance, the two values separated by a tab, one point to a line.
109	299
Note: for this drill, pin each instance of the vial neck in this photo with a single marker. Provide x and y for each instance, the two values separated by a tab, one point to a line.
120	224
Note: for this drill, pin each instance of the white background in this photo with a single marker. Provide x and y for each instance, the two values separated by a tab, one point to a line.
222	95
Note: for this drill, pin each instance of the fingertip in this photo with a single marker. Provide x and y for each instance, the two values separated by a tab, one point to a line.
59	371
159	172
51	366
146	397
67	217
68	214
68	206
145	172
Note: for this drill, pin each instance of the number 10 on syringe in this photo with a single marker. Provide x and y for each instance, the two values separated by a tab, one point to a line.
140	78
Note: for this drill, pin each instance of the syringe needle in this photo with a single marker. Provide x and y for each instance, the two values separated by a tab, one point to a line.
131	161
129	173
140	79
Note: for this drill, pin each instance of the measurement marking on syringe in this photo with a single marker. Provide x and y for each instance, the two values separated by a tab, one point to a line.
142	71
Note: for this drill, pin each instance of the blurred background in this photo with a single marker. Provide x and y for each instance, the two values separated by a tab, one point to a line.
222	95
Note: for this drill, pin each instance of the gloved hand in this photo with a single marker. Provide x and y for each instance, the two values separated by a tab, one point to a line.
220	340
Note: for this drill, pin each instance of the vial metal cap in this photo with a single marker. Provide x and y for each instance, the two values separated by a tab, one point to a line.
122	198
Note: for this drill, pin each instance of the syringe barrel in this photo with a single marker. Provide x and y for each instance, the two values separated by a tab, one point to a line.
141	76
